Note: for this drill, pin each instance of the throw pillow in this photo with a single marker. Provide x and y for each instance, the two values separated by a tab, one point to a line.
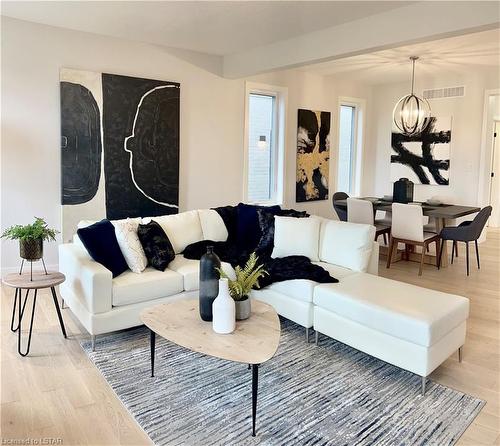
156	245
100	241
296	237
248	229
212	225
229	215
128	241
181	229
266	224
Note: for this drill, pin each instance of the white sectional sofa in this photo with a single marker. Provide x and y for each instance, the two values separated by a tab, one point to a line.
411	327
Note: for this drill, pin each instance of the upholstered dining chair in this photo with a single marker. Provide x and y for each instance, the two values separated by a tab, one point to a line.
467	231
361	211
341	212
408	228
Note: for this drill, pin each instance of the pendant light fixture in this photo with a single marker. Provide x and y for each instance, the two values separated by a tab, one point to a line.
411	113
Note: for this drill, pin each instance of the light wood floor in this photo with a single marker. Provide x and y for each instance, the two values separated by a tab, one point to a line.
57	393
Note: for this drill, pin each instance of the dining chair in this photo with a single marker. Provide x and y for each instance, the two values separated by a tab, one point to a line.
341	211
408	228
361	211
466	232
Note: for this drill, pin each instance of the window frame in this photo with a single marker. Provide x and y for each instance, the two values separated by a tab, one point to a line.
357	147
278	141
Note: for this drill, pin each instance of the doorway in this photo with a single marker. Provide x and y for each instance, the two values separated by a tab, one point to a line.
495	177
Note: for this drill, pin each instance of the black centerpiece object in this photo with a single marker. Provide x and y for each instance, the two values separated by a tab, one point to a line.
209	282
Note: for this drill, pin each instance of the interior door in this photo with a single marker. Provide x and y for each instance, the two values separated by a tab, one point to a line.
495	178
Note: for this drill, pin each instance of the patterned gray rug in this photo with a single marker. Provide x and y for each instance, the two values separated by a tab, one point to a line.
308	395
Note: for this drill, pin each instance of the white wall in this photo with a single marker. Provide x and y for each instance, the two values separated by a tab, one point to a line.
212	121
467	119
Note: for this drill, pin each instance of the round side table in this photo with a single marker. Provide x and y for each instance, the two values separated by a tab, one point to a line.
38	281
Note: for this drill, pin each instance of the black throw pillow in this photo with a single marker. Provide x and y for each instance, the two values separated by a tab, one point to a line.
156	245
266	224
248	229
100	241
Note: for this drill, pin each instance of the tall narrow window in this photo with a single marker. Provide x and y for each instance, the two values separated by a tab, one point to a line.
264	144
346	157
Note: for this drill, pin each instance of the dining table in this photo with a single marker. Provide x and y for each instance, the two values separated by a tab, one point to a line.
442	213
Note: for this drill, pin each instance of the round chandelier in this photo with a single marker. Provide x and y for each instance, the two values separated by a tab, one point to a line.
411	113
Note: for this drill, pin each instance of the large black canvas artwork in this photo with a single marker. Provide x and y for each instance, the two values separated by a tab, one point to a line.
120	147
313	154
423	158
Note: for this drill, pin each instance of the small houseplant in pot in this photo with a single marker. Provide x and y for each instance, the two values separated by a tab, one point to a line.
247	278
31	238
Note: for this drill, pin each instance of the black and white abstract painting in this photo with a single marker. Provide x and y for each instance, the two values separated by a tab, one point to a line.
119	147
423	158
313	155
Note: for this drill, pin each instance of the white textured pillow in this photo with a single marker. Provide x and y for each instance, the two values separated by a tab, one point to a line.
346	244
296	237
181	229
130	246
212	225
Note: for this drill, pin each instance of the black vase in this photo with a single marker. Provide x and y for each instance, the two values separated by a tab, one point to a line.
209	282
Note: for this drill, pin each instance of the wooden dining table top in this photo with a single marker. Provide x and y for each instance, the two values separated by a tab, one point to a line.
444	211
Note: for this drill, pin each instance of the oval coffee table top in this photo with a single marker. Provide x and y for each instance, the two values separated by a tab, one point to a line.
40	280
254	341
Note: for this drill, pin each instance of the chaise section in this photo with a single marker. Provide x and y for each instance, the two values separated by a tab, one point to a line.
411	327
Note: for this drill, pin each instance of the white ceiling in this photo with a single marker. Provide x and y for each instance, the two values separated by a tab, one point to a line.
452	55
213	27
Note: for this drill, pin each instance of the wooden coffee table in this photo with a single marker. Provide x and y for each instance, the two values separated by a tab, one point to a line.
254	341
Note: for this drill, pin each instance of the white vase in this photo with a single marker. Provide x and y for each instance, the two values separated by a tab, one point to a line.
224	310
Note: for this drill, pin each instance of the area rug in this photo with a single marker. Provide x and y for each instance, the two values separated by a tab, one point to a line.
329	394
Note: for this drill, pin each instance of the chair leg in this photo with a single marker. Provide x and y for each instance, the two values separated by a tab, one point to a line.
385	238
438	249
467	256
422	258
453	249
389	254
477	255
441	253
456	250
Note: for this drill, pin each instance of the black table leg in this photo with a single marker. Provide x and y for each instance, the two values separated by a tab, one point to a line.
255	386
19	328
59	315
152	339
18	299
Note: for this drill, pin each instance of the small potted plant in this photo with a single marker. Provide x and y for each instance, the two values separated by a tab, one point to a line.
31	238
247	278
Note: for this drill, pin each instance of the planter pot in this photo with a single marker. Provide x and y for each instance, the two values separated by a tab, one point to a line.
209	282
224	311
31	249
243	308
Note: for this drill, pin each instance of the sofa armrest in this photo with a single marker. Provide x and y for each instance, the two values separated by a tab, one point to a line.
373	262
88	280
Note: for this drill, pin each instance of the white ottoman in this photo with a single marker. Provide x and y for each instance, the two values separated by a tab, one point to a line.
409	326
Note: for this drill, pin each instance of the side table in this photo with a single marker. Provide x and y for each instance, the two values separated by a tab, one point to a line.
25	282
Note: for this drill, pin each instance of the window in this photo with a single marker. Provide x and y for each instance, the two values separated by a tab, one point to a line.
350	146
264	145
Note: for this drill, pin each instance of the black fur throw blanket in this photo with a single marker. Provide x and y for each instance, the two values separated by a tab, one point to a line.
279	269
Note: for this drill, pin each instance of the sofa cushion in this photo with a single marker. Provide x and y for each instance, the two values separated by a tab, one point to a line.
100	241
190	271
156	245
128	241
182	229
296	236
408	312
151	284
346	244
339	272
299	289
212	225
